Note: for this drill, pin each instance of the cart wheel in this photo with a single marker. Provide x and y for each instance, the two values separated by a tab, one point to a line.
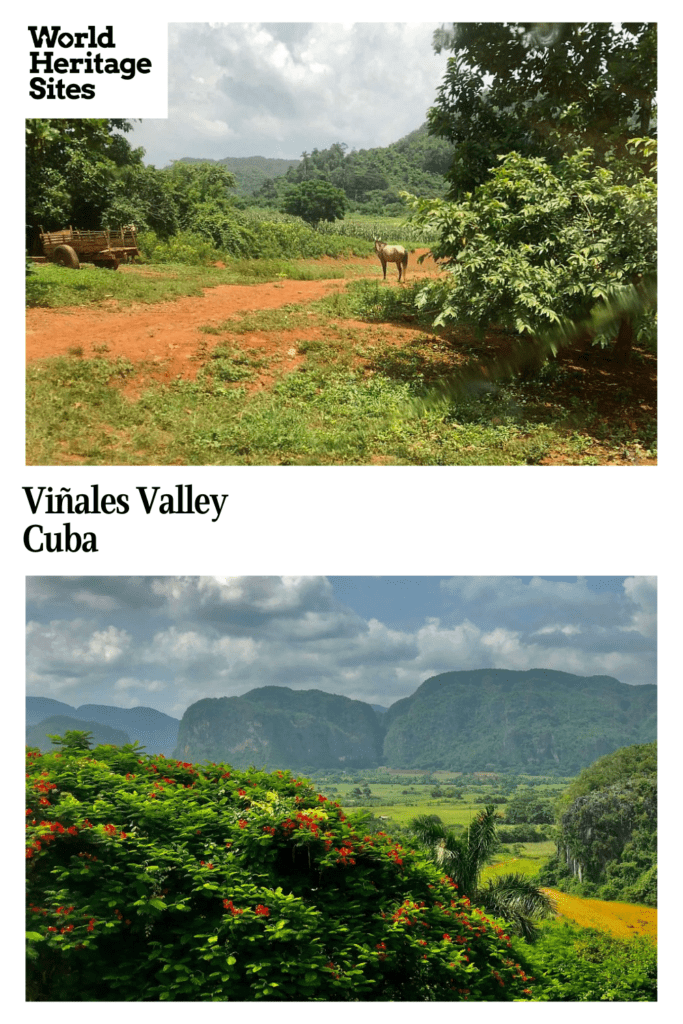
66	257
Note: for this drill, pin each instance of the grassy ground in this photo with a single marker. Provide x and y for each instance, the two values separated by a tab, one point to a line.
356	396
50	287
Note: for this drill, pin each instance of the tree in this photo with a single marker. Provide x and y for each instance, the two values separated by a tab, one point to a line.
153	879
73	741
528	808
314	201
71	170
542	90
538	246
512	896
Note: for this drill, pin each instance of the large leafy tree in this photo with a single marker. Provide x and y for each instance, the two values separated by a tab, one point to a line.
538	246
315	201
152	879
511	896
71	170
542	90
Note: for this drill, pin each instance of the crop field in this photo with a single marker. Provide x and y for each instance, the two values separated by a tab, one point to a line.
624	920
398	802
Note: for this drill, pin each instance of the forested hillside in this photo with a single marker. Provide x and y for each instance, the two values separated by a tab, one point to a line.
371	179
250	171
607	828
538	721
282	728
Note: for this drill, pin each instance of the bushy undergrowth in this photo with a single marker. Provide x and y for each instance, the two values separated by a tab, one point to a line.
627	880
572	964
154	879
248	239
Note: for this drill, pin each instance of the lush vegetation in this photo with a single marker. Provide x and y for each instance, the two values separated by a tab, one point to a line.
370	179
511	896
315	201
153	879
552	208
537	246
607	829
542	91
571	964
156	879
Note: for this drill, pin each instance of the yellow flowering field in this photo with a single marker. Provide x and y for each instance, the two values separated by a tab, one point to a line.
623	920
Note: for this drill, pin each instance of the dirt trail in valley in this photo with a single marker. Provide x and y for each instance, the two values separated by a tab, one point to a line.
166	336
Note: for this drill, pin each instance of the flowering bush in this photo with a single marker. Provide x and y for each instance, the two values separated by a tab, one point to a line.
151	879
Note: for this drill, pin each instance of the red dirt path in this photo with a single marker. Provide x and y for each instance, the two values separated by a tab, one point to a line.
167	334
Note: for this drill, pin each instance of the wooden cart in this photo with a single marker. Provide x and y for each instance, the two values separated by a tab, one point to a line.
70	248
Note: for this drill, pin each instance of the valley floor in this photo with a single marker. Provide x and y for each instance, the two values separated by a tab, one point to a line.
623	920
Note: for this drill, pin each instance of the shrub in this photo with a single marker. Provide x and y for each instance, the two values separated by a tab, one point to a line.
154	879
539	246
572	964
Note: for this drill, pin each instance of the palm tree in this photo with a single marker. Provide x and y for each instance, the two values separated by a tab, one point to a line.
512	897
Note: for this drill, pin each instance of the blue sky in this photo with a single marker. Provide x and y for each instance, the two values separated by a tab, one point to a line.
274	90
165	641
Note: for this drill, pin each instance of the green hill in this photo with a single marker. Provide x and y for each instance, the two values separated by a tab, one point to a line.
39	735
279	727
372	178
251	171
535	721
607	828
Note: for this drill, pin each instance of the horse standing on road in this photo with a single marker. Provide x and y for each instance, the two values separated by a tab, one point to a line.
392	254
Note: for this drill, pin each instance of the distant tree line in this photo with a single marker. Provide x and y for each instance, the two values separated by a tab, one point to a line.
369	179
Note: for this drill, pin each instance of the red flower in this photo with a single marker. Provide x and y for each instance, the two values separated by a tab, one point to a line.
241	792
262	911
242	823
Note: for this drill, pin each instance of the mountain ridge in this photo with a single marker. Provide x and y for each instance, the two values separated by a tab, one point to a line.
536	721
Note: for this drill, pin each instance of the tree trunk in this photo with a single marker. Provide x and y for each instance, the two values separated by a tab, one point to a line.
624	343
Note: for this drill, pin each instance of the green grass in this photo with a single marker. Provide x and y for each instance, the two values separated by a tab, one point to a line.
314	416
525	862
356	398
53	287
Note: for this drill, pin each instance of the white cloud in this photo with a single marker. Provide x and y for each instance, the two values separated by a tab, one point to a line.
277	89
219	636
642	591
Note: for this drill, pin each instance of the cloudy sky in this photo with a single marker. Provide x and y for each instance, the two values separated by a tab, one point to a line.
276	90
167	641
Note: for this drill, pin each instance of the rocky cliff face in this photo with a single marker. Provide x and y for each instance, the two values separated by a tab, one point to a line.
279	727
